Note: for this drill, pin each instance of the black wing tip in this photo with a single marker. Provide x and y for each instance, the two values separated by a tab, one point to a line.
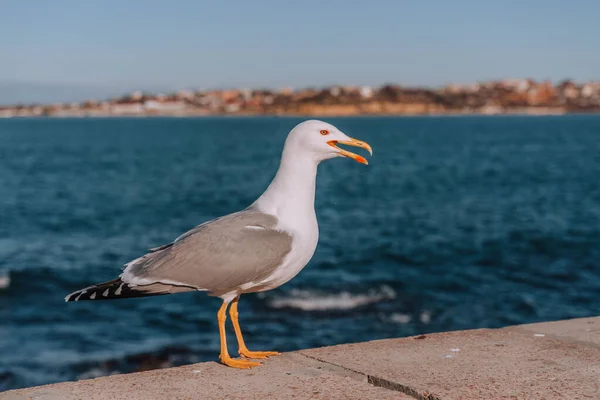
75	295
115	289
100	291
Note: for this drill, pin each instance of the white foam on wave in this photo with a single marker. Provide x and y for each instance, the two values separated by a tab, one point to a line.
307	300
4	280
400	318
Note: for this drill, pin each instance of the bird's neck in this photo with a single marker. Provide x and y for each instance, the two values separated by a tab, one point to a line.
291	194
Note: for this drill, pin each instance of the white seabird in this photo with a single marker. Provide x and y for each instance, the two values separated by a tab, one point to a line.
254	250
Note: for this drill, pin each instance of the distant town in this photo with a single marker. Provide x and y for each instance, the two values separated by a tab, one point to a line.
509	96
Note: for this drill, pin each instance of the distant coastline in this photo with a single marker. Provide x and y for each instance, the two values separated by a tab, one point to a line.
510	96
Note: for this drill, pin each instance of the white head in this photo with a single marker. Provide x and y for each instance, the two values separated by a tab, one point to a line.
318	140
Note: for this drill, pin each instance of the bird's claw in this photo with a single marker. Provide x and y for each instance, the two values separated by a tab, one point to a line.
257	354
242	364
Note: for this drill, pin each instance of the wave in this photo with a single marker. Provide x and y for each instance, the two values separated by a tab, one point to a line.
400	318
4	280
307	300
423	317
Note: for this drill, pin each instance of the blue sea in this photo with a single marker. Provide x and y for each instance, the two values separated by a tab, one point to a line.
457	223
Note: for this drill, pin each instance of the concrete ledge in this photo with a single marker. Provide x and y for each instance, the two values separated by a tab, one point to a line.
555	360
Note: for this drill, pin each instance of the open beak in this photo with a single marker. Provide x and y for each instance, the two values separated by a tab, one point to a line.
354	143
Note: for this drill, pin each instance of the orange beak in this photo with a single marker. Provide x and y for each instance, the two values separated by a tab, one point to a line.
354	143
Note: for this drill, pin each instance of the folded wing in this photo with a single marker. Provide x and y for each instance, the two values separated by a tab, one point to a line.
218	256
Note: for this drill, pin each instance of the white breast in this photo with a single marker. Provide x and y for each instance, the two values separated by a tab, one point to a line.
304	243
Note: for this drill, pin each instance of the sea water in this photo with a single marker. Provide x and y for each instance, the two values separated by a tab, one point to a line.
457	223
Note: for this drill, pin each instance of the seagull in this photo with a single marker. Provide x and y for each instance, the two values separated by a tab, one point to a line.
254	250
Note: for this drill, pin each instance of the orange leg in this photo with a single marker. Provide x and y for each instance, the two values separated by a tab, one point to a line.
224	356
243	350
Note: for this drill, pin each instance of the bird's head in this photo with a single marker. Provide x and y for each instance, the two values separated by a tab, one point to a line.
319	140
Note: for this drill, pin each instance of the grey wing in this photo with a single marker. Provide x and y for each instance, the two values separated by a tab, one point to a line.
218	256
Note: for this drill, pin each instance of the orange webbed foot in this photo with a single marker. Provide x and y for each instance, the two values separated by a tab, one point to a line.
242	364
257	354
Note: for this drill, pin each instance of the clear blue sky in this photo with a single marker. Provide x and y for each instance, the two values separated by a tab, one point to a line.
193	43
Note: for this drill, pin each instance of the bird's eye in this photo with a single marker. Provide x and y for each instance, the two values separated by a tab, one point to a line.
324	132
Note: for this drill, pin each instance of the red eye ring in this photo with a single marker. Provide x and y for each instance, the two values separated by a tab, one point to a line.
324	132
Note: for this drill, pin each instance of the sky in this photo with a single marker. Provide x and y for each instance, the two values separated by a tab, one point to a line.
86	48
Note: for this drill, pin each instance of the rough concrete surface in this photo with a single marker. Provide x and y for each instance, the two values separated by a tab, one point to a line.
586	330
555	360
510	363
289	376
